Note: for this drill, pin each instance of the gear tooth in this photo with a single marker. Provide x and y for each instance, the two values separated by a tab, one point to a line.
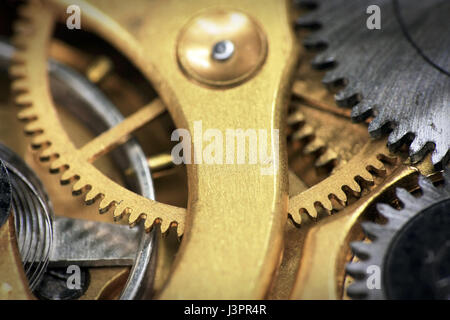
121	210
79	186
20	85
326	204
440	155
311	209
376	127
326	158
347	97
314	41
356	270
296	216
323	61
32	128
68	176
313	146
304	132
361	111
332	77
416	147
361	249
340	194
105	204
57	165
165	224
372	229
357	290
387	211
24	99
296	117
134	217
378	165
405	197
366	176
48	153
425	184
18	71
352	184
26	114
91	196
39	141
308	21
396	135
180	229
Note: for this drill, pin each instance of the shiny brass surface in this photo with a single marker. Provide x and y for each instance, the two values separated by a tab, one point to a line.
325	250
228	212
199	37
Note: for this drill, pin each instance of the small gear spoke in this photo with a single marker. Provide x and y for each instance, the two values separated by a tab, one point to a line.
120	133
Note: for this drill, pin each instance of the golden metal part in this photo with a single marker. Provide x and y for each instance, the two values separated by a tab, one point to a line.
326	248
221	47
106	283
99	69
162	161
332	187
13	282
75	162
219	220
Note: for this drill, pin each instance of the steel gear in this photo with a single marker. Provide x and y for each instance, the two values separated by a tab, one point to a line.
411	250
376	78
33	32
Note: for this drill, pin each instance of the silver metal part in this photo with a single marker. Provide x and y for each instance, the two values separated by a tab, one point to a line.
95	110
5	194
33	217
399	73
93	244
74	92
379	252
223	50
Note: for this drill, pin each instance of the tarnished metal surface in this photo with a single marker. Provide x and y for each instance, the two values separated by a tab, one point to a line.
94	244
5	194
398	73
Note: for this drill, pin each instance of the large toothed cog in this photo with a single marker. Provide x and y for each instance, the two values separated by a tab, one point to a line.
410	254
400	73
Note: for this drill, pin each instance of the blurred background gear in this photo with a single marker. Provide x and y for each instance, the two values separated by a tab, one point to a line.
411	250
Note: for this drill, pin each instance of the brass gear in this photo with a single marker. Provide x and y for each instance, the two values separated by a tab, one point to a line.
329	135
49	136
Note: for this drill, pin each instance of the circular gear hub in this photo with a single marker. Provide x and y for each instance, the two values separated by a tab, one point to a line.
221	48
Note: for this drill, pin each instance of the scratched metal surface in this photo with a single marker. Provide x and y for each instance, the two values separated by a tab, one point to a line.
5	194
389	69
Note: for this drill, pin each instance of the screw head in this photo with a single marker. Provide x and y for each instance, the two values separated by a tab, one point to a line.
221	48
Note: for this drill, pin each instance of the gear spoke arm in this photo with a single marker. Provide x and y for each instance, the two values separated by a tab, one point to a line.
110	139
